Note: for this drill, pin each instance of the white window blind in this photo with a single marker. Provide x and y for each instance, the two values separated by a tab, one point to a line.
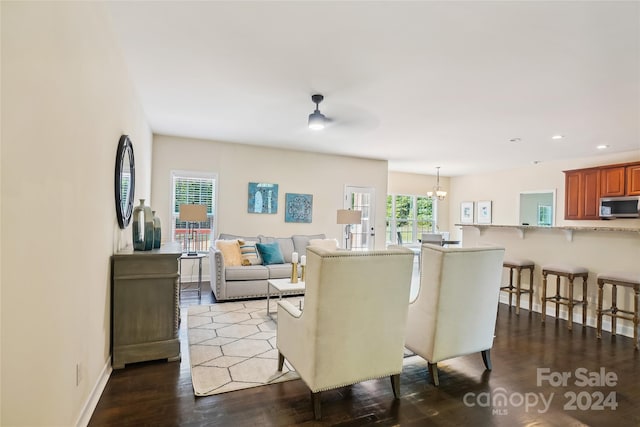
194	188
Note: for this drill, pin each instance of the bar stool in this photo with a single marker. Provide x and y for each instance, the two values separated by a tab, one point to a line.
569	272
630	280
518	264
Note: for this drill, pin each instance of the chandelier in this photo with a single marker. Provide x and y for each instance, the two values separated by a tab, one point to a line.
437	192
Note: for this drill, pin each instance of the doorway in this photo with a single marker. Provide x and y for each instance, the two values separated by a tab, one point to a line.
362	199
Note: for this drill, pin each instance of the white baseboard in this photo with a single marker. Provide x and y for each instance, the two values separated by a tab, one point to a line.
94	396
623	327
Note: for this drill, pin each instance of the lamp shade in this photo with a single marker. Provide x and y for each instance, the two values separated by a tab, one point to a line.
347	216
196	213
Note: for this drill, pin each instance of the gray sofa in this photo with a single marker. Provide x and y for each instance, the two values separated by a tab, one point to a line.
228	283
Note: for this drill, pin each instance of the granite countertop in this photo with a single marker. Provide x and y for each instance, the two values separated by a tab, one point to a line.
564	228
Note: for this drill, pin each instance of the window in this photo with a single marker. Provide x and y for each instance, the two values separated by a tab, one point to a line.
409	217
193	188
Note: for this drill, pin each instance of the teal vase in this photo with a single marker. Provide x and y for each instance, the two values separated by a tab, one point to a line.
157	231
142	227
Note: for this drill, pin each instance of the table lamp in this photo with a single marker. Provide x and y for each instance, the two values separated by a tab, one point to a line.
190	214
348	217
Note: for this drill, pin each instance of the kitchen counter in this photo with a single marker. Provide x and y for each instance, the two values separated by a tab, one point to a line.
567	230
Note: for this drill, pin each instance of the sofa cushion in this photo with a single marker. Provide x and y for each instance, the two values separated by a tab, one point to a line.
270	253
225	236
279	271
230	251
249	252
251	272
286	245
301	241
326	244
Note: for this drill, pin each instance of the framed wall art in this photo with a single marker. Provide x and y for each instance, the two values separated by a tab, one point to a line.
484	212
298	207
466	213
263	198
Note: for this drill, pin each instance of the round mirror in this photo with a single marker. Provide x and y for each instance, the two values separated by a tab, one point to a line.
125	181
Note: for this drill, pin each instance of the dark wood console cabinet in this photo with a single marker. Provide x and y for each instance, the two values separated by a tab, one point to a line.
145	311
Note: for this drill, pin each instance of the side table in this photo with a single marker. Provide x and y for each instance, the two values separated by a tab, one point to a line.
283	286
199	258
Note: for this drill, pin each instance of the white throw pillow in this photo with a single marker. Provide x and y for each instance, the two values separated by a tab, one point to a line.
326	244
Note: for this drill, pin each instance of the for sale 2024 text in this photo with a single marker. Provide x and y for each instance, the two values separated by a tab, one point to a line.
582	377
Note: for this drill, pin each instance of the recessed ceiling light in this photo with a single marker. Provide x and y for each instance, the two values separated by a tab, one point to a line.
515	140
602	147
535	162
557	137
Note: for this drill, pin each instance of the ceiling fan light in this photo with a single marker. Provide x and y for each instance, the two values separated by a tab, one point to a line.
316	120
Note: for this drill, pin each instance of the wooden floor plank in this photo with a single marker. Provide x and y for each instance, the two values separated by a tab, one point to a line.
161	394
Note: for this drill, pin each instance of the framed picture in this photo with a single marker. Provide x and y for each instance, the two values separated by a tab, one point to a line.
484	212
466	213
263	198
298	207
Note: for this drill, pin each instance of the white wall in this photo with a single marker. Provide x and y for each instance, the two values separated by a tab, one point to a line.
323	176
66	99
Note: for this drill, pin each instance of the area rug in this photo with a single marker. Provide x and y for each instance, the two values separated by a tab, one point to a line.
232	346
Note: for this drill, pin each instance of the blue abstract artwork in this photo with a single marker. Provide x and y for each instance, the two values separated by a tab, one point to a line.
298	207
263	198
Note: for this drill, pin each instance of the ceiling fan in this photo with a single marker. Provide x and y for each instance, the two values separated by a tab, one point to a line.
317	120
352	117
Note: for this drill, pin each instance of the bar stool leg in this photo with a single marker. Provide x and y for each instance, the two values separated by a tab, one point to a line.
557	297
519	273
530	290
636	291
599	310
543	299
510	285
570	302
584	301
614	309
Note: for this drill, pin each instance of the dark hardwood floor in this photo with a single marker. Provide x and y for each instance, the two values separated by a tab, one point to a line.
512	394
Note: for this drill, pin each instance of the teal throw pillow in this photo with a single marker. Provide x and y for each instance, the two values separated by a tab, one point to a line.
270	253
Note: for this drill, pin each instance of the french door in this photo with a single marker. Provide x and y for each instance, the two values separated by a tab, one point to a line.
362	199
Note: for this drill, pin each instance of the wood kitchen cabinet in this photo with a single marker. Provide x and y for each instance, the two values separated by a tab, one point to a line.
582	194
612	181
145	312
633	180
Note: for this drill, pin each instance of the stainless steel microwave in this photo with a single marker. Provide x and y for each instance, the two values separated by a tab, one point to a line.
620	207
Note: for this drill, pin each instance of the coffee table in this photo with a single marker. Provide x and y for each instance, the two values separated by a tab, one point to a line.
282	287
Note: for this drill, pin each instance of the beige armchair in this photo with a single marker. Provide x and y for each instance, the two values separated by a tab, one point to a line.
353	324
454	313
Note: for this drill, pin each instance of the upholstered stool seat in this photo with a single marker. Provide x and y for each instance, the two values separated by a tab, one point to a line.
630	280
518	264
569	272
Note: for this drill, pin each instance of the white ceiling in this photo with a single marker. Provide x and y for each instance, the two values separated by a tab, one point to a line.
421	84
